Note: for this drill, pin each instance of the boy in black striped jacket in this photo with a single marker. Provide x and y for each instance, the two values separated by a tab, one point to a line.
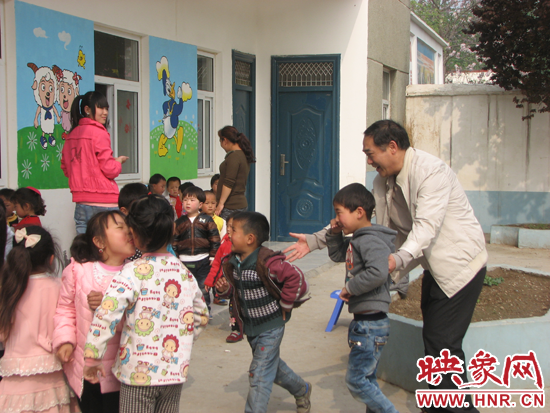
266	288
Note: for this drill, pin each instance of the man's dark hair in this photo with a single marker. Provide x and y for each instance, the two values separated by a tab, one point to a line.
254	223
129	193
385	131
196	192
354	196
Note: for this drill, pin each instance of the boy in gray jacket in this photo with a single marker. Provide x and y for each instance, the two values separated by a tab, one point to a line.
366	290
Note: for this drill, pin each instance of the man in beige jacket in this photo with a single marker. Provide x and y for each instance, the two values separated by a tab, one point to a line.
419	196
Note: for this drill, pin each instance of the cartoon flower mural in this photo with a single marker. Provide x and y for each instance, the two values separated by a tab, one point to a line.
59	153
26	172
32	141
45	161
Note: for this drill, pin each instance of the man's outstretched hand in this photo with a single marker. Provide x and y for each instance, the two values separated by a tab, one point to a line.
299	249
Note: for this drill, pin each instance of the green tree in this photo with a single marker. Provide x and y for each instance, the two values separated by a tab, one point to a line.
514	43
449	18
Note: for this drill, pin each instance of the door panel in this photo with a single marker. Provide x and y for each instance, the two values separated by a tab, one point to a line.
305	137
244	69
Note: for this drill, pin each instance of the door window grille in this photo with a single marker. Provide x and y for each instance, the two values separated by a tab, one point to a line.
243	73
306	74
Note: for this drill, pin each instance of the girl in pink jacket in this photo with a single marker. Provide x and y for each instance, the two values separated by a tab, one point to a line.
32	375
97	256
87	159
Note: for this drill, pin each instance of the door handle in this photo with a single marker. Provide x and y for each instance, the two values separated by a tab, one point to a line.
282	163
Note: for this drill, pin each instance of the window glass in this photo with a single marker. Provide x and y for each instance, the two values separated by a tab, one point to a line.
205	72
205	108
386	86
425	63
116	56
127	130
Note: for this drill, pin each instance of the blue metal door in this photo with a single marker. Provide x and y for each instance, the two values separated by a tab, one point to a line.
244	69
304	145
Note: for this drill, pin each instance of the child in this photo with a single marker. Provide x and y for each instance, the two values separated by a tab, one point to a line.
366	290
173	185
215	274
28	205
182	189
97	256
157	184
6	195
209	207
158	334
197	238
32	375
128	194
265	288
214	183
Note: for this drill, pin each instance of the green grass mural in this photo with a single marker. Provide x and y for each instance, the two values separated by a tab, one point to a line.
37	167
182	164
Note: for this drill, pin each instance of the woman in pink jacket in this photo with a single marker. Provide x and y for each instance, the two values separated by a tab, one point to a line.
87	159
98	255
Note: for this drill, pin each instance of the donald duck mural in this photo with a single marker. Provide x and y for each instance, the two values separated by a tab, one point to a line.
171	108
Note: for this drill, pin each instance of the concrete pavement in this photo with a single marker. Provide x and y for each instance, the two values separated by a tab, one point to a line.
219	371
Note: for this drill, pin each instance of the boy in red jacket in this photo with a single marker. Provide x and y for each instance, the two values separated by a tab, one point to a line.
215	274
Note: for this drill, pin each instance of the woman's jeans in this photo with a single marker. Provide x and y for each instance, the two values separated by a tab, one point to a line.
366	340
268	368
83	213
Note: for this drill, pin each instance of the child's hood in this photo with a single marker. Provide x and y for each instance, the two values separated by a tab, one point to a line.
384	233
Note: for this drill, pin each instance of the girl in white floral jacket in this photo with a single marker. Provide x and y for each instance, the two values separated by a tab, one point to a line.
156	340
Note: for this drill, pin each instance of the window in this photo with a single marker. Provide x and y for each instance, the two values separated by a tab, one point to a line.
425	63
117	77
386	95
205	118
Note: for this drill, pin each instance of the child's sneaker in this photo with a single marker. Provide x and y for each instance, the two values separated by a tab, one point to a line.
220	301
234	337
303	404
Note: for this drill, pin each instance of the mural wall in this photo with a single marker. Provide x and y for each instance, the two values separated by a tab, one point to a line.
173	108
55	63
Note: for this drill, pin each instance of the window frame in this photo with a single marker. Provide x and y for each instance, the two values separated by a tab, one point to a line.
128	86
3	102
386	102
207	96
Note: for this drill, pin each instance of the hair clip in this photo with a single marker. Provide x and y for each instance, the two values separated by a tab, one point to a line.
30	240
35	190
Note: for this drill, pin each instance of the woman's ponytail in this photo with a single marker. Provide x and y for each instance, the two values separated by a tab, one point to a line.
75	112
234	136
